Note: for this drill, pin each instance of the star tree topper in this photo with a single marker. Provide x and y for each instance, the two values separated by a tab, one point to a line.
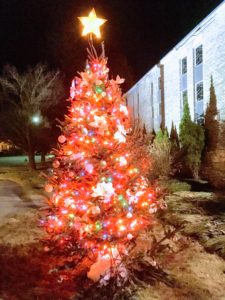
92	24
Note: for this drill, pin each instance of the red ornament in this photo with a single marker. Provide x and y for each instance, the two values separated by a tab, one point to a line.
71	174
56	164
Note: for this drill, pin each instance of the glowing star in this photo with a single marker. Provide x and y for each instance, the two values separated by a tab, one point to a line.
100	123
104	189
92	24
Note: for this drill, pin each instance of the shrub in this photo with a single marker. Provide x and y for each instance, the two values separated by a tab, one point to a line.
211	123
192	139
172	186
160	151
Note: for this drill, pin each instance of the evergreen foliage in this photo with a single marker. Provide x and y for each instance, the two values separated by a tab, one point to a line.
192	141
174	137
99	181
211	123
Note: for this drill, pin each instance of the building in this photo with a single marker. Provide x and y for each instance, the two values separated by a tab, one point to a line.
184	74
6	146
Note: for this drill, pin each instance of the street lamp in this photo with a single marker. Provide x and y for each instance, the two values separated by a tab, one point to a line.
36	119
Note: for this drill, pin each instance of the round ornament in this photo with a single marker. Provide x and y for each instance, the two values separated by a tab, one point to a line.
62	139
89	168
129	215
71	174
95	210
56	164
48	188
129	236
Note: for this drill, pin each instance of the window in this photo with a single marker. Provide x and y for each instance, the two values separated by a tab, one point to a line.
199	118
184	96
199	91
198	55
184	66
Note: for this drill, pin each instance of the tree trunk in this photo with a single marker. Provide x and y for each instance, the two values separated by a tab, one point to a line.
196	173
31	159
43	157
31	152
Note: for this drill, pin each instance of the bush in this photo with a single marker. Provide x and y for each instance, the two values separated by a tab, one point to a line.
192	139
172	186
160	151
211	123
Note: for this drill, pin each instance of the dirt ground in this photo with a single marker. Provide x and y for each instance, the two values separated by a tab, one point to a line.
197	274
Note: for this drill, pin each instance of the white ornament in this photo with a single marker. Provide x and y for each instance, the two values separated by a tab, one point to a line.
121	129
129	215
119	80
122	161
129	236
101	123
152	209
120	134
104	264
89	168
85	131
104	189
123	109
77	156
120	137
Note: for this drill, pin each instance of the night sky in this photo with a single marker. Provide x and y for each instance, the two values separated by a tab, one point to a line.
138	32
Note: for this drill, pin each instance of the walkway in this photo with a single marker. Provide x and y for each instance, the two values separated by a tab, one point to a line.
11	200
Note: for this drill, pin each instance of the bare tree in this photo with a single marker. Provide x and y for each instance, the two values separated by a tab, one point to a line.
26	99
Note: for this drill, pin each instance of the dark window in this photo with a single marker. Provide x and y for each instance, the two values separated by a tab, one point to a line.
199	91
199	118
184	65
184	96
198	55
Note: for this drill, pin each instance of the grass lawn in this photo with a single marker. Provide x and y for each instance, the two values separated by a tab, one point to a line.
20	160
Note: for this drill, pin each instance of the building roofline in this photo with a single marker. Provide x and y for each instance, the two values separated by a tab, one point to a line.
205	21
136	84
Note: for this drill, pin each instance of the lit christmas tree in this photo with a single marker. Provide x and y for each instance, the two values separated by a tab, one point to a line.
101	200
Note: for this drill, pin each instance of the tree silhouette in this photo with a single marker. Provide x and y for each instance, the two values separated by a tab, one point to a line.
211	123
27	99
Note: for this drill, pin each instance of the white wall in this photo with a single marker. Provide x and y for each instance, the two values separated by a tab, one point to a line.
211	34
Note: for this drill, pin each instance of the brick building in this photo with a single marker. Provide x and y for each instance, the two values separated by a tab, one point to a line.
184	73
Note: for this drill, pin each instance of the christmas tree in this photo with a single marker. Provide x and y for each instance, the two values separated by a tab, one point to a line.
101	199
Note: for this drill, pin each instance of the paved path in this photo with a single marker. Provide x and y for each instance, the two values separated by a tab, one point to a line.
20	160
11	201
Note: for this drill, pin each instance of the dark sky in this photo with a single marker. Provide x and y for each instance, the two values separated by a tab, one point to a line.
138	32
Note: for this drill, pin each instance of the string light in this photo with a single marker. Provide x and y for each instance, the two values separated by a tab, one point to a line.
99	194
